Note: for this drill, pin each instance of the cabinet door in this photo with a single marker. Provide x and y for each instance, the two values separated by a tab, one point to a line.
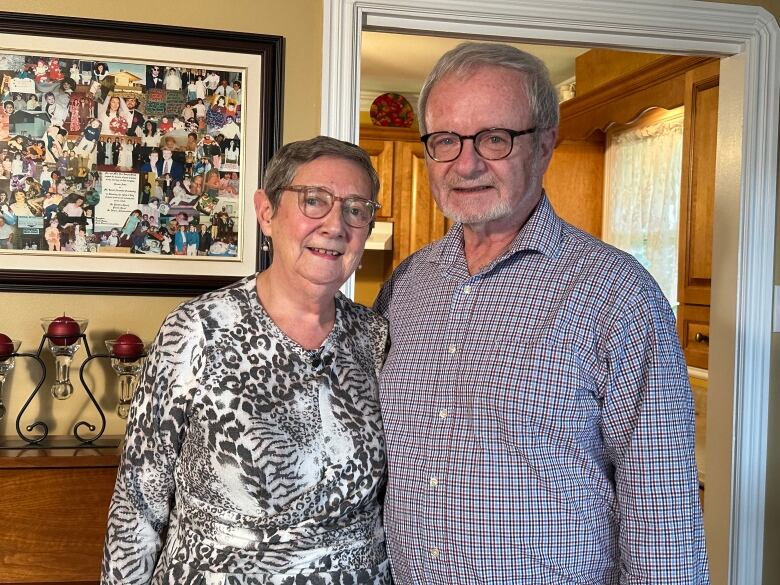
420	221
698	184
381	153
574	183
696	208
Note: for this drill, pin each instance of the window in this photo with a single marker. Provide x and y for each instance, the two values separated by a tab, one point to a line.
642	193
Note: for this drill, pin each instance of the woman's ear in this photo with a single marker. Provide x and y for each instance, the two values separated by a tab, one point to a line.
264	212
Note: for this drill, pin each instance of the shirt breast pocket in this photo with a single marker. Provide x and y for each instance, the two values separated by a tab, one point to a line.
532	392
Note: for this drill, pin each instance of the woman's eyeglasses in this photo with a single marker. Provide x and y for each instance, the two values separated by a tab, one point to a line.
316	203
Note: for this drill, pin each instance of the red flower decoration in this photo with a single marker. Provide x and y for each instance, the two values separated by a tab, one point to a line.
392	109
118	125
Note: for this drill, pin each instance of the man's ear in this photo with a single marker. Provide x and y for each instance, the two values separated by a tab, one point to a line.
547	142
264	212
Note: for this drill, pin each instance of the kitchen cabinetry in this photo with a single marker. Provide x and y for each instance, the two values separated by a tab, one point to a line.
696	207
418	220
381	152
574	182
399	158
665	82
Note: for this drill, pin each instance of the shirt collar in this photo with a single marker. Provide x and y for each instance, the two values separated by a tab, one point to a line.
541	233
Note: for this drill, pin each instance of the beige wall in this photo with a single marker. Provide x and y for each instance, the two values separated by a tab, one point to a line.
300	23
772	515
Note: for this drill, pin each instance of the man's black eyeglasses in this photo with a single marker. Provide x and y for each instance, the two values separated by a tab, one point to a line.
490	144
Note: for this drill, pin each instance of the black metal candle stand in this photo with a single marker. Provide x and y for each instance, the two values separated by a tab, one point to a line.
77	439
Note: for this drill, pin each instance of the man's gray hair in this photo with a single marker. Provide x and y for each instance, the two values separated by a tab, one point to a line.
468	57
285	163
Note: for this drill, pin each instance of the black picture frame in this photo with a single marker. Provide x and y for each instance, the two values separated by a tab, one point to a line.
268	47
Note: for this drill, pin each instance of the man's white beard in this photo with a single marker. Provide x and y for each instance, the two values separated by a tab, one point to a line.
502	208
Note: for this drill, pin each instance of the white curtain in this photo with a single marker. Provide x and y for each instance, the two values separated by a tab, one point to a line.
642	197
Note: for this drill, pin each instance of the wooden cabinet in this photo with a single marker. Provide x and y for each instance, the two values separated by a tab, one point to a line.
381	152
419	220
660	82
574	182
405	196
696	206
53	513
693	324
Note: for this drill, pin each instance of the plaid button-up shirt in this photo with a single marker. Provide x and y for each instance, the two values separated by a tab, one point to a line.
538	418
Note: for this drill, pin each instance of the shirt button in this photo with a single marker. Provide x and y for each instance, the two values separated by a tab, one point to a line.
444	413
433	482
467	289
452	348
434	552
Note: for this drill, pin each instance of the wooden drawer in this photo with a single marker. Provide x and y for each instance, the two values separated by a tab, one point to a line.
694	328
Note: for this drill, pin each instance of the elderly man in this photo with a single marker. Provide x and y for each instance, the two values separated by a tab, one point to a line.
538	417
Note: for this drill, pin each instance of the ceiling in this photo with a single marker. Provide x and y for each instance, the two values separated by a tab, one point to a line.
400	62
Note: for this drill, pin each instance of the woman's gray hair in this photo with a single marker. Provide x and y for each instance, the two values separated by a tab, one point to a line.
468	57
285	163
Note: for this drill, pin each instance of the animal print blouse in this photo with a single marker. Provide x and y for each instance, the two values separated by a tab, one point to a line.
248	459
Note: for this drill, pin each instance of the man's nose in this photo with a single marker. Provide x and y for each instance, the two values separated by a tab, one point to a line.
469	161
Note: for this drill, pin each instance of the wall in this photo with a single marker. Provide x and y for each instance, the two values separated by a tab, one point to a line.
300	22
772	514
772	6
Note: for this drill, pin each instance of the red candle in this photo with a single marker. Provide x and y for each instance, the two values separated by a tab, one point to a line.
128	346
63	331
6	346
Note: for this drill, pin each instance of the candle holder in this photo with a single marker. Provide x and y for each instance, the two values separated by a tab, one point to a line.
64	335
9	352
127	353
8	347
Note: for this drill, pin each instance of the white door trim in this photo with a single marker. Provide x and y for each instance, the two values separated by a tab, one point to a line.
679	26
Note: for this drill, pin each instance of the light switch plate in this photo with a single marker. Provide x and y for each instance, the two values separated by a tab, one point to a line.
776	320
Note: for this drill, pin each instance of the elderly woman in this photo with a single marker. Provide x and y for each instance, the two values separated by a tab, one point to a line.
254	451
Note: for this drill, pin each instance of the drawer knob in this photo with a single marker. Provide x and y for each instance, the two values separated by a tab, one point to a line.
701	338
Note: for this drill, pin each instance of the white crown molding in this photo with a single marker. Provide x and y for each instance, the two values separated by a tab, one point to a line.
677	26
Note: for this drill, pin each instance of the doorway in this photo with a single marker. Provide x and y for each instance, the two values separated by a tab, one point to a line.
745	192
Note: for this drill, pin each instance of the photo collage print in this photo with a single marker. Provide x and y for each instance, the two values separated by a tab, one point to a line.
104	157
